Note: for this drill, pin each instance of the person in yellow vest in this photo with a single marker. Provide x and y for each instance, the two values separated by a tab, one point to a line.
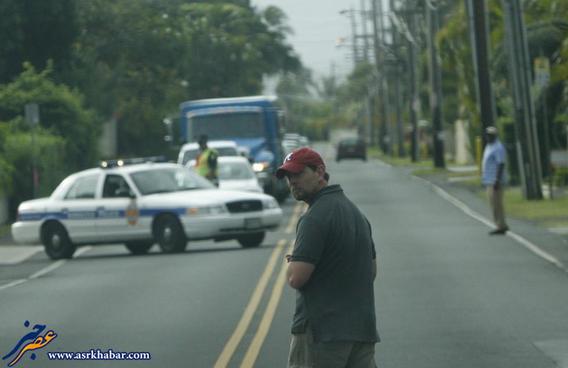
206	161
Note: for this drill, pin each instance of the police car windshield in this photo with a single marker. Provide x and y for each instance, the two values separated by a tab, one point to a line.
168	180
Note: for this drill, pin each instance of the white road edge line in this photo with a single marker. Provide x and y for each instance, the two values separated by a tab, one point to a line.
524	242
13	283
44	270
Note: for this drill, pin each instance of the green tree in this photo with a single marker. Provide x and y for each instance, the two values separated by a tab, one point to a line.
137	60
231	48
35	31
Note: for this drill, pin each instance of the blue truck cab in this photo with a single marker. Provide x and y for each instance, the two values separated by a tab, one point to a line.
254	122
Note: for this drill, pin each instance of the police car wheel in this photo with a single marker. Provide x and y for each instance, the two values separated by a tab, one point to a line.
139	247
169	234
56	241
251	240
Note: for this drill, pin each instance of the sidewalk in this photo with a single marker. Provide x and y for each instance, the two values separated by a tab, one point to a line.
553	242
12	253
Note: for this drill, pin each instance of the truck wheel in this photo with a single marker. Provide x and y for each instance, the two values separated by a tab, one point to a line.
251	240
56	241
169	234
139	246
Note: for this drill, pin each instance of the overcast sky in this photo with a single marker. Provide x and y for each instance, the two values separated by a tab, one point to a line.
317	25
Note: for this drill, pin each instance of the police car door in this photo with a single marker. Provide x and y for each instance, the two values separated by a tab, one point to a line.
78	209
117	211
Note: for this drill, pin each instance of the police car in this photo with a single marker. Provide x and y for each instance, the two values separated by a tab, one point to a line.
140	204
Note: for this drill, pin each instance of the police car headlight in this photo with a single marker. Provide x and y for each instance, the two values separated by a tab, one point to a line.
206	210
269	204
260	166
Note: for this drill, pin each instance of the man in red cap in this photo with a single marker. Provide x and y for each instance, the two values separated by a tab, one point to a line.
332	267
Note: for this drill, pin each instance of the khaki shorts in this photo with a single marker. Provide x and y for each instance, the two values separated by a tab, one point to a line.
305	353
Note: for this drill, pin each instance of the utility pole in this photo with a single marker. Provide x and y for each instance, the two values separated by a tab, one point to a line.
378	26
479	31
351	14
397	87
365	35
527	145
375	138
432	13
414	98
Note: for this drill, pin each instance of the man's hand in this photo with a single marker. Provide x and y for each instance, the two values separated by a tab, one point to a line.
497	185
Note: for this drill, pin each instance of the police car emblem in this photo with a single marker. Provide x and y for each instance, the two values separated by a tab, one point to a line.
132	213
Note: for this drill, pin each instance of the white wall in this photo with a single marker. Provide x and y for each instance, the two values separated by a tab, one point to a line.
463	151
108	139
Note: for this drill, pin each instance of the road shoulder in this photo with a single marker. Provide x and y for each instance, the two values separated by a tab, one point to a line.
552	243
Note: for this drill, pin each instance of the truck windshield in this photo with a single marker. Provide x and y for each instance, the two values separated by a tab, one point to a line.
227	125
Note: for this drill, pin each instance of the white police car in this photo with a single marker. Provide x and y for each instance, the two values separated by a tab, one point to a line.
139	205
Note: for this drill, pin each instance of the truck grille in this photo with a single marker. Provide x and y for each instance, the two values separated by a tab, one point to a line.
244	206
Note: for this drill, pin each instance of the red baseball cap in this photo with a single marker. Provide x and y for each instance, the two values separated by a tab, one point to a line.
297	160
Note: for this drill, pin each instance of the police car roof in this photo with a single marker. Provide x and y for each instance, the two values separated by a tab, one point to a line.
128	168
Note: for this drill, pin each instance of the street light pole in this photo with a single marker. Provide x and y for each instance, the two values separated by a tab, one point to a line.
31	113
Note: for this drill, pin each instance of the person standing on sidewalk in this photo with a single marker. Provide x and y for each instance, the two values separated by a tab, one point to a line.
333	268
493	177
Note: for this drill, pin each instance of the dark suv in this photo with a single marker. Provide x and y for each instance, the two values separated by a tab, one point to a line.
351	148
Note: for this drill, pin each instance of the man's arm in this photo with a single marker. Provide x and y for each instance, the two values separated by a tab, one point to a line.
374	269
298	273
499	177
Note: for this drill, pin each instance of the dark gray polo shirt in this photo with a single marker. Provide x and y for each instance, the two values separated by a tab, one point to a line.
338	300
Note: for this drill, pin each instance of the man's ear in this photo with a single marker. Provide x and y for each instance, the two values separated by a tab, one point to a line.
320	170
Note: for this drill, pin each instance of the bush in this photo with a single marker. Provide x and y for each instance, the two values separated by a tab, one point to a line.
47	154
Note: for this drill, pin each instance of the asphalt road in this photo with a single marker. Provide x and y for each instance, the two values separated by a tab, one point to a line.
448	295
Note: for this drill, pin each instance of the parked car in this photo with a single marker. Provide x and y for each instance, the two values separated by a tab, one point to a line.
189	151
351	148
236	173
140	205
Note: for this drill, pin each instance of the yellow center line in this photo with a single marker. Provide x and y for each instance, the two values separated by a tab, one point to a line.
246	318
264	326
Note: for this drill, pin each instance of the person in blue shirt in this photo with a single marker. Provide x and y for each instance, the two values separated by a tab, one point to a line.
494	178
